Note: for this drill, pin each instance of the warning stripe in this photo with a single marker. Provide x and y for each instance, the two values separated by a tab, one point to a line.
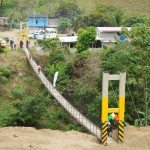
104	130
104	125
121	124
104	140
104	133
121	129
120	140
121	132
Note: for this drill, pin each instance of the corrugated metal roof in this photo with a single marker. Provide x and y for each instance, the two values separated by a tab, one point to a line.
111	29
38	16
68	39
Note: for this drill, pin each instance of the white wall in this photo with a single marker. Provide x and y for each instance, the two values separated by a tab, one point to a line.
109	36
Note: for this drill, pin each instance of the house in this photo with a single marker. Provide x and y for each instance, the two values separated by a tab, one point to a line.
68	40
38	21
53	22
109	34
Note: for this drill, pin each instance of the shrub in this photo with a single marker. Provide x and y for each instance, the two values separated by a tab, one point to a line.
5	71
49	44
57	120
29	111
79	65
3	79
18	91
5	112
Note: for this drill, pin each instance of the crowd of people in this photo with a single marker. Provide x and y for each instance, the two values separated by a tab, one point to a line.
13	44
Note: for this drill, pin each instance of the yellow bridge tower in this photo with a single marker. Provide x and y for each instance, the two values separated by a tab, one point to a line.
24	35
121	106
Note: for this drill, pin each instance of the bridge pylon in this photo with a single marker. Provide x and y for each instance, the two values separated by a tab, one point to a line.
106	110
24	33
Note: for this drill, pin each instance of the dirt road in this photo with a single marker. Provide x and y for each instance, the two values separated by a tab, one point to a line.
21	138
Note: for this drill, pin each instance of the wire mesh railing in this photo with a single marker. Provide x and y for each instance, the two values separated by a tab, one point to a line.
90	126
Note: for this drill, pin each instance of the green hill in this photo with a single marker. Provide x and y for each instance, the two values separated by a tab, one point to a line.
141	7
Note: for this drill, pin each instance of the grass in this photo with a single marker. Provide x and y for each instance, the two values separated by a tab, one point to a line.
130	7
22	75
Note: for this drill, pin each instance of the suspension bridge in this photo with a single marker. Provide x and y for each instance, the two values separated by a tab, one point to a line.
90	126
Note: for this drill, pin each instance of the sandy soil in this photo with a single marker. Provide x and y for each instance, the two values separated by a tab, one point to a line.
21	138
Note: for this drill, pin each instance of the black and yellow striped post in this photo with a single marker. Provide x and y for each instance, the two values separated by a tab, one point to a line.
120	131
104	133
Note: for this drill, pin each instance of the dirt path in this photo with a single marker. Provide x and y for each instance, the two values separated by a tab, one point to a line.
12	34
21	138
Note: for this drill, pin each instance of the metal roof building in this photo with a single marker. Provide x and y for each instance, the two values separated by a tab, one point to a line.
108	34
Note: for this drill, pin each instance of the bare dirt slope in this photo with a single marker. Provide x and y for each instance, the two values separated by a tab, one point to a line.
21	138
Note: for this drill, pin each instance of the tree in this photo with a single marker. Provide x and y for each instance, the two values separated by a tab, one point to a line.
68	9
45	7
58	62
64	24
110	15
85	38
140	39
49	44
26	6
102	15
133	20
